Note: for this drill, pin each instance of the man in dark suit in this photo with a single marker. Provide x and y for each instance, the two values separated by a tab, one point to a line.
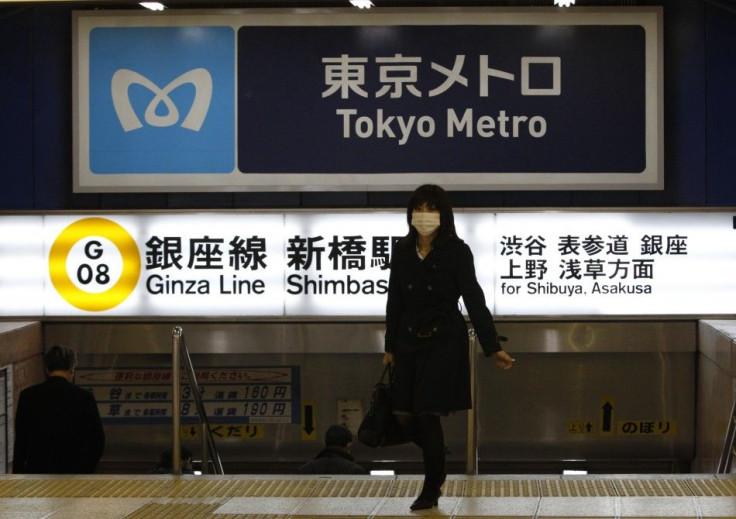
335	458
57	425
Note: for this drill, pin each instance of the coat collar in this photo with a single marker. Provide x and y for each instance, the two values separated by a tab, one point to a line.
439	243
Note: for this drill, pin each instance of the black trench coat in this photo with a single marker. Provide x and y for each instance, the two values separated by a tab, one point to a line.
433	376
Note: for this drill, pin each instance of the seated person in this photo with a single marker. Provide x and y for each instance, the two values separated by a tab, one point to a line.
166	463
335	458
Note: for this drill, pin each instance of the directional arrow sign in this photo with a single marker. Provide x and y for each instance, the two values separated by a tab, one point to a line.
309	421
606	416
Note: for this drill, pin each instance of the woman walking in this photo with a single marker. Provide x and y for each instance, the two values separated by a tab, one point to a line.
426	335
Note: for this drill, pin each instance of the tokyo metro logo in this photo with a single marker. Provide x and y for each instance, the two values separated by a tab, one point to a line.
122	80
162	100
94	264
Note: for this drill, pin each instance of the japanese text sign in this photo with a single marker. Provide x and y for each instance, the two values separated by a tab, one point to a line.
336	264
272	100
230	395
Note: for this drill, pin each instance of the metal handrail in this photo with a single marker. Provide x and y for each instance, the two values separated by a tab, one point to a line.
176	399
471	460
180	352
724	464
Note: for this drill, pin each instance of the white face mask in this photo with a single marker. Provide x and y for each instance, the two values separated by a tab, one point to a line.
425	223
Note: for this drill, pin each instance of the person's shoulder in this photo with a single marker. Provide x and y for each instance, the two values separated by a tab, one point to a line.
33	391
403	244
452	244
402	249
83	393
34	388
80	393
449	240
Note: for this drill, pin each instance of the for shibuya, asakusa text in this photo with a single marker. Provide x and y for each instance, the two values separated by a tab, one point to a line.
556	289
464	123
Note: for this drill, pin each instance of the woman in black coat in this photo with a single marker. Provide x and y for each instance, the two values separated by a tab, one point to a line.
426	335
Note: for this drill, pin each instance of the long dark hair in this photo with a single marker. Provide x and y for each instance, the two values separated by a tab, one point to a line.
435	198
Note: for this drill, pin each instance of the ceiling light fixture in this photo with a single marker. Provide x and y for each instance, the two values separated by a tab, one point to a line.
564	3
153	6
362	4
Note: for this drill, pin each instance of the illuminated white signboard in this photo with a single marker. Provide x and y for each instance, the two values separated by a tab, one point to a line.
334	265
338	264
615	263
21	265
202	264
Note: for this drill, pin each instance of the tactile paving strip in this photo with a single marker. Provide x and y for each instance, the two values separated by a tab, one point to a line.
249	516
175	511
453	488
652	487
501	488
406	488
709	497
713	487
577	488
277	488
131	488
44	488
352	488
206	488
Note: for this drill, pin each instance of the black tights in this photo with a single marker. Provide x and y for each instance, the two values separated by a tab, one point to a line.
426	431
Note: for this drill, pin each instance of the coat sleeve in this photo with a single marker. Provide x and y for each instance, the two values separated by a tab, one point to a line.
475	302
394	303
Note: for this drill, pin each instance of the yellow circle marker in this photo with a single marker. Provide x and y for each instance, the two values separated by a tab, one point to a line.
94	302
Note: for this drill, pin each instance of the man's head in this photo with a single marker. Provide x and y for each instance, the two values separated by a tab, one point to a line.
61	360
167	459
339	436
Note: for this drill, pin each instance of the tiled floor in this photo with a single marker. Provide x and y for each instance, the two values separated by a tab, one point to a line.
275	497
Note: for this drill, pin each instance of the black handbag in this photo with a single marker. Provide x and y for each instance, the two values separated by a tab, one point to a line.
379	427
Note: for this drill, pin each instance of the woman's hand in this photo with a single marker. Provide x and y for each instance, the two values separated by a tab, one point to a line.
503	359
388	358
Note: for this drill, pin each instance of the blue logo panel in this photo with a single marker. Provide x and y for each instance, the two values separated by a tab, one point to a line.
162	100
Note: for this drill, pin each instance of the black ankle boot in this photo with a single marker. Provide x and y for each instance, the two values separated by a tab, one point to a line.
427	499
423	503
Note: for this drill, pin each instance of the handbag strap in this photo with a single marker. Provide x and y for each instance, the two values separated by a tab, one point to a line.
388	369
